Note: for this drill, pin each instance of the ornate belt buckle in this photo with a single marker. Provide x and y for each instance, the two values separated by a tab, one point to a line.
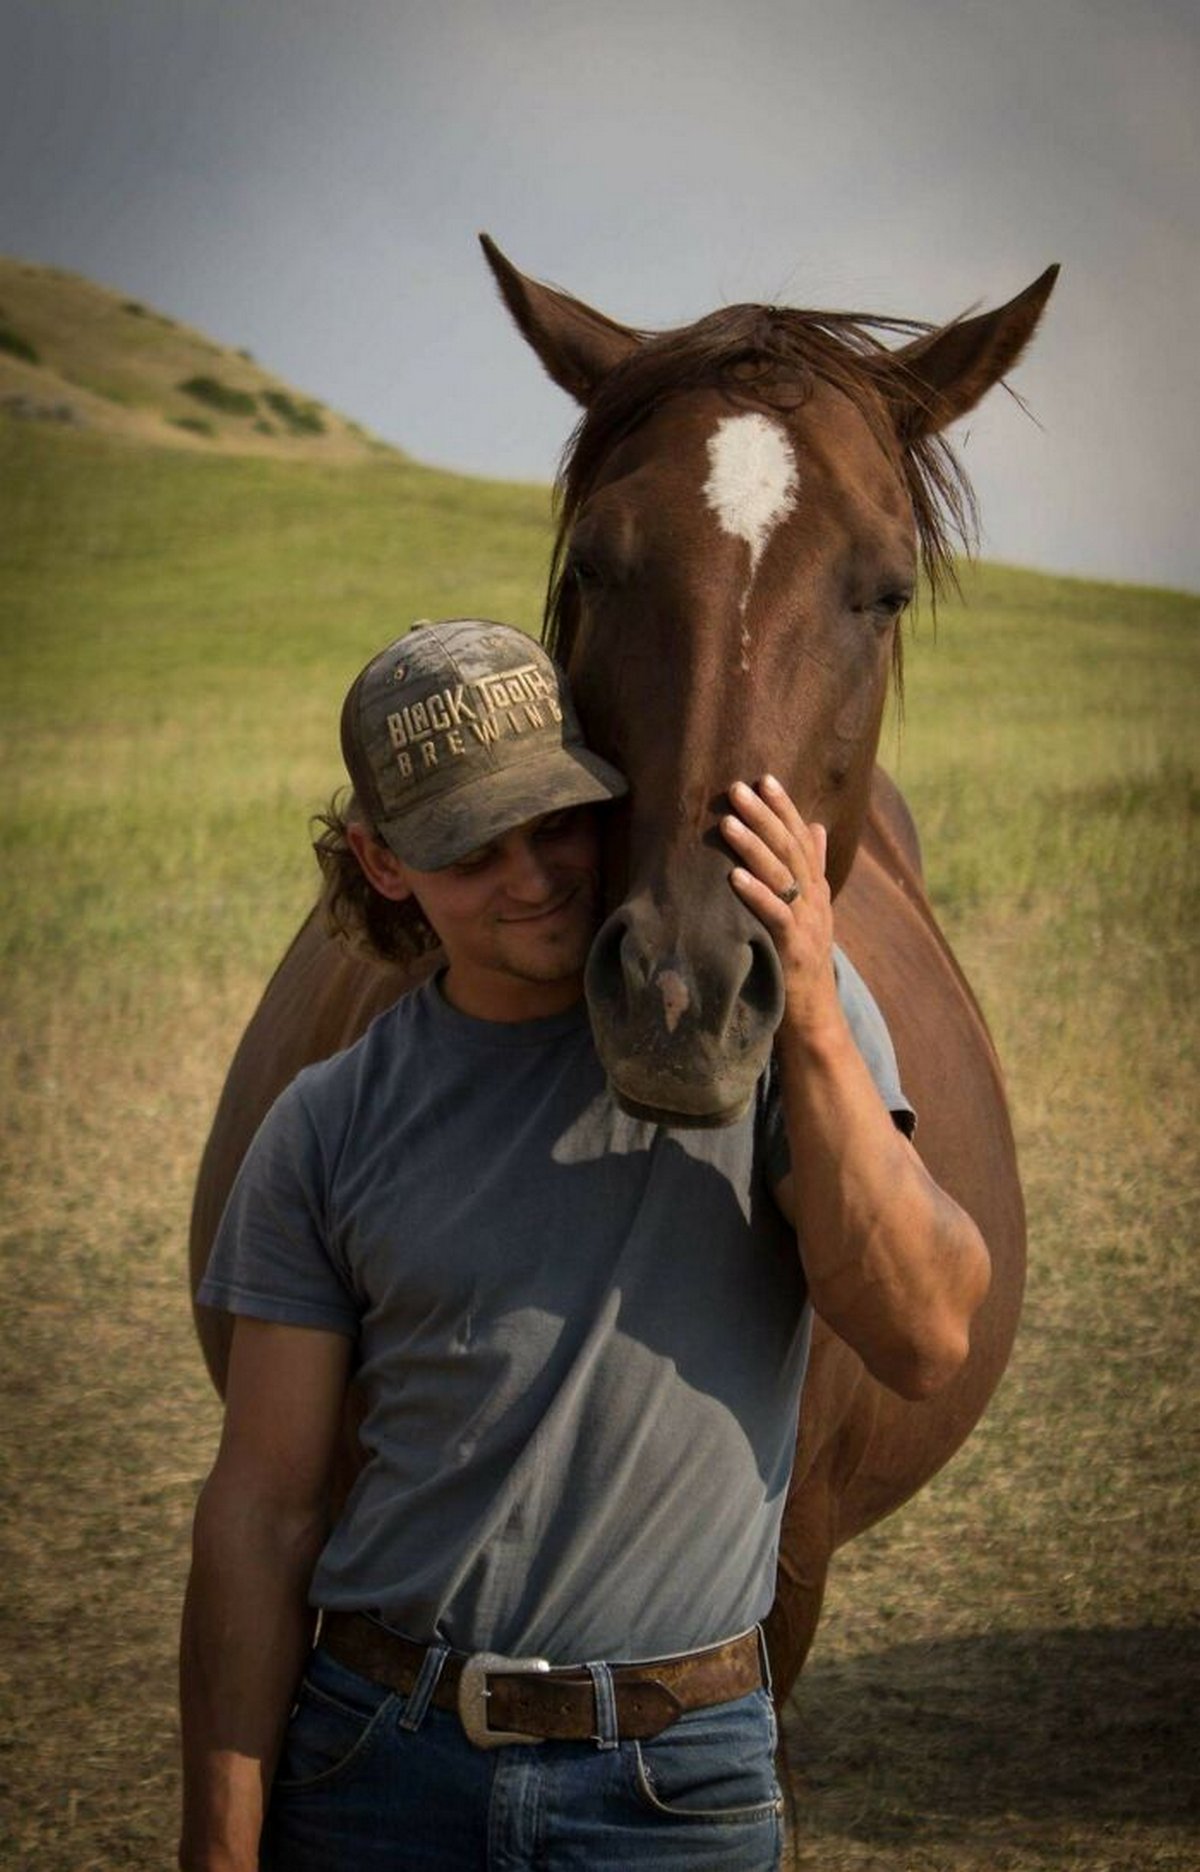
473	1695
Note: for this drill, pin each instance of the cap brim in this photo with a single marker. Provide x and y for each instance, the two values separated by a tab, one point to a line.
456	824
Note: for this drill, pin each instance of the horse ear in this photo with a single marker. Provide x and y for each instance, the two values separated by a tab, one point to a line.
576	345
938	378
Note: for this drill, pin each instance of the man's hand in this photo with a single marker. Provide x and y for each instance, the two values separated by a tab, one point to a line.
780	876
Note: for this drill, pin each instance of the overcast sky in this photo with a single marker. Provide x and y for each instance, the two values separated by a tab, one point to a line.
305	178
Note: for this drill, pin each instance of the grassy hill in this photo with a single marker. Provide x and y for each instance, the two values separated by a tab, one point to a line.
1003	1675
75	355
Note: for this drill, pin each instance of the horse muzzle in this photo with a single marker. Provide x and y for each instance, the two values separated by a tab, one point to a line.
683	1026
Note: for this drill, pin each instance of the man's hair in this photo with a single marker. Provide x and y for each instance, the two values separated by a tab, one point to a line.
353	908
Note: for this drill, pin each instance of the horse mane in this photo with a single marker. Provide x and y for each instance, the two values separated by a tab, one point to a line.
773	356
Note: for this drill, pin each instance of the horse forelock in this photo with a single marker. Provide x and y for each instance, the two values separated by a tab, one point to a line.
764	357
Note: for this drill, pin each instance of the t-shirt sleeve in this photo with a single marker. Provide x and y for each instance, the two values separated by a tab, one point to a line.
874	1042
270	1259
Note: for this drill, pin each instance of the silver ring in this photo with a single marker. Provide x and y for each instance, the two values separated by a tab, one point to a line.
790	895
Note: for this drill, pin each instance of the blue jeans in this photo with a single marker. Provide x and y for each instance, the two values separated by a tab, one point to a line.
357	1791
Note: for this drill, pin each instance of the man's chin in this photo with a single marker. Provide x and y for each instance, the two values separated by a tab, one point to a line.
548	961
546	972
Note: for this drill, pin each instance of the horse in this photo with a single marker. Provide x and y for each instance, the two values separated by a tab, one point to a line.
744	510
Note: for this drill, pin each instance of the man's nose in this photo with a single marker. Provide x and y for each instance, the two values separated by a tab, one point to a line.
528	876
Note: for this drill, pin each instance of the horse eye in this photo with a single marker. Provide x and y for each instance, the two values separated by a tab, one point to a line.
582	572
890	604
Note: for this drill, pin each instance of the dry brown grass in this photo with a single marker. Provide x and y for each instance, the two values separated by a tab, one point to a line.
1006	1674
113	1423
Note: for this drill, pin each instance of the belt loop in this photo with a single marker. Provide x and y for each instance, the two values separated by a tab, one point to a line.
606	1736
763	1660
417	1701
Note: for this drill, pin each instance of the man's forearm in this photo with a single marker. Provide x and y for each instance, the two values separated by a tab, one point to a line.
246	1632
893	1264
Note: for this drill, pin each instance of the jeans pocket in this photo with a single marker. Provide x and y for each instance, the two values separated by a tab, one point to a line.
334	1721
712	1767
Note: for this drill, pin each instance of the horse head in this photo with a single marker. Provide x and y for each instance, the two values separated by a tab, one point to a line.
744	511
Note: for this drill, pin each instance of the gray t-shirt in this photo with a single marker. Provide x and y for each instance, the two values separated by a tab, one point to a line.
581	1337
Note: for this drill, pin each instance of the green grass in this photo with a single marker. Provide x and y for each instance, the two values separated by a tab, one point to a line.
1001	1676
174	632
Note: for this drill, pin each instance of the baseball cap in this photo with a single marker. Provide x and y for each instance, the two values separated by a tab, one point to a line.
460	731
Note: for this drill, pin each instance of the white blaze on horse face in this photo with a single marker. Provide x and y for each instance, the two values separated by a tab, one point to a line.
752	485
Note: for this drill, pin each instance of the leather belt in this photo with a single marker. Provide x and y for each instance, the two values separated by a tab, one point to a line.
501	1699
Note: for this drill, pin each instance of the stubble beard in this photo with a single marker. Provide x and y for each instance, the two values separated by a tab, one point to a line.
553	955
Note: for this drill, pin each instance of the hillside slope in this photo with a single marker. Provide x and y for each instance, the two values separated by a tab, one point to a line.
74	355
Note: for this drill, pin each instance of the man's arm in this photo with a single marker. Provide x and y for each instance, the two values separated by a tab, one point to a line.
893	1264
260	1524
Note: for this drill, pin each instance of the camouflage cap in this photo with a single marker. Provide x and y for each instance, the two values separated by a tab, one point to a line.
460	731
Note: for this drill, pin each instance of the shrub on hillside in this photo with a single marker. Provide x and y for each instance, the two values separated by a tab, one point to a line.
220	396
196	424
147	312
19	347
300	418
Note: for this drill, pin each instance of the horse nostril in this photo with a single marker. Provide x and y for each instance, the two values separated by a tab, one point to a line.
762	986
607	963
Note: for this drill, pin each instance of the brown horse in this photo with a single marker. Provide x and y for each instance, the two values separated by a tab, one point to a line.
743	510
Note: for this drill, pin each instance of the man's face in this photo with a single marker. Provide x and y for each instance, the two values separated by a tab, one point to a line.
517	917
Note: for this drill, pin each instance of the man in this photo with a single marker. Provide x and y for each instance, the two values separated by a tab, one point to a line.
579	1338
